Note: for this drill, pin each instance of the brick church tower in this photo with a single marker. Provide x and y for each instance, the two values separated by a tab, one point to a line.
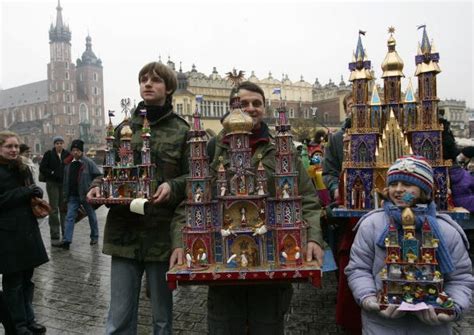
75	91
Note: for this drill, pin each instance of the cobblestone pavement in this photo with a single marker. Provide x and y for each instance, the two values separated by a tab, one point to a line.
72	295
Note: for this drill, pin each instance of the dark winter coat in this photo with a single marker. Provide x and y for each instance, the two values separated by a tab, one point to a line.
87	173
51	167
462	188
21	245
333	157
150	237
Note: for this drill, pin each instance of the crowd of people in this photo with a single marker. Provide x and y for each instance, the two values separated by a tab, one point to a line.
145	236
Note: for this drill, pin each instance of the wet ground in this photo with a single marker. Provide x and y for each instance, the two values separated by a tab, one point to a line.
72	295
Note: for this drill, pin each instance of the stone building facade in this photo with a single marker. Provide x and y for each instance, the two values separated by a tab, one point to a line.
455	111
319	104
70	102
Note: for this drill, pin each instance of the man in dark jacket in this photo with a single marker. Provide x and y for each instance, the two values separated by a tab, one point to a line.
52	170
78	175
140	237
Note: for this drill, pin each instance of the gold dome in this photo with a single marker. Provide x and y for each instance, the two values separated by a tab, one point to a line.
392	65
126	132
237	122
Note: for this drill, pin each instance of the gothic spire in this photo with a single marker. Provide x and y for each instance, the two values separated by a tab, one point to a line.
59	16
60	32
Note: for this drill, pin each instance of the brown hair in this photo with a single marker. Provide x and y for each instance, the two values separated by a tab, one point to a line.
7	134
346	100
249	86
163	71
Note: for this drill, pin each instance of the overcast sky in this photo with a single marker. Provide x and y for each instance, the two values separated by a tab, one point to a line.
309	38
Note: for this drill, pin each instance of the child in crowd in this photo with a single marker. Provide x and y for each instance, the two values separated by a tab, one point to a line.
410	183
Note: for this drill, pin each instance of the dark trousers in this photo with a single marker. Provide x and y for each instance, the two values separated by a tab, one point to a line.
252	309
5	317
18	294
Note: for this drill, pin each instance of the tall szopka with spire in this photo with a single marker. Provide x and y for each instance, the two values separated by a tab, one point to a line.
383	129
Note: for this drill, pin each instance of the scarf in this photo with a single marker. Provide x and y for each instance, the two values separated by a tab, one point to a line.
18	167
154	113
421	212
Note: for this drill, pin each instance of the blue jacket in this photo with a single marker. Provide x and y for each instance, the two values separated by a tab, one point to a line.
87	172
367	260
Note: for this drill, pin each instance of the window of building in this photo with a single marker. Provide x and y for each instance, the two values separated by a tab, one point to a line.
72	87
179	108
81	77
95	76
326	116
292	113
95	90
306	113
67	65
68	98
67	75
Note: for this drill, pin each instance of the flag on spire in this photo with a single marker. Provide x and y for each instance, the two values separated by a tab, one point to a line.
111	113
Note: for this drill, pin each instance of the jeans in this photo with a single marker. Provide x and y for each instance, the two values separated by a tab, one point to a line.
126	280
18	294
72	208
55	199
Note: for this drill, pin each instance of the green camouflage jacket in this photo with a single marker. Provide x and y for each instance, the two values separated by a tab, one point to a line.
149	237
310	202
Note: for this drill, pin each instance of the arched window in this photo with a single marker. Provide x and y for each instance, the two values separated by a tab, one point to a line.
83	113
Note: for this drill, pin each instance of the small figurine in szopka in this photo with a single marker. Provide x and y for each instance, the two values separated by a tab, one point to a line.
420	258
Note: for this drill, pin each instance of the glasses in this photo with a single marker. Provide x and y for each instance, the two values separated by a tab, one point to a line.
11	146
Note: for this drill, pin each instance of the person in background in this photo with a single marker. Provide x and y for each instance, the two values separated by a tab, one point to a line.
79	173
140	237
410	184
21	245
52	170
347	310
25	154
462	182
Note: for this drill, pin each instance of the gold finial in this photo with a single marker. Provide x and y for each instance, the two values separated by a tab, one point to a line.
126	132
391	30
408	218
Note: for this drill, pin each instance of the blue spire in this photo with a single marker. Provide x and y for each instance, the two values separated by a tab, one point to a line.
425	42
360	53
